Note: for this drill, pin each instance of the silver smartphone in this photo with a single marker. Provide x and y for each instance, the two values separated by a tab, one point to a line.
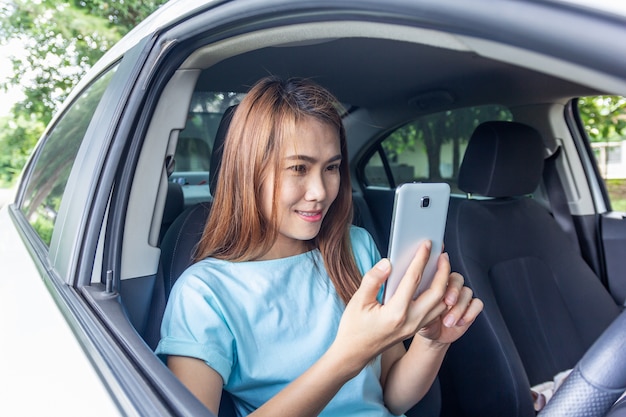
419	214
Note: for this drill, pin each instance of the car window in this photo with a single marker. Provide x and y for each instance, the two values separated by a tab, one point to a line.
604	119
195	142
53	162
428	149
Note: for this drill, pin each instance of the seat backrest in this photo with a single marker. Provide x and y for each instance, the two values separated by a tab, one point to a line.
174	205
179	243
218	147
543	304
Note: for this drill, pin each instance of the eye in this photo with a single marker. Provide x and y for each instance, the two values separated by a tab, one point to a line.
333	167
297	169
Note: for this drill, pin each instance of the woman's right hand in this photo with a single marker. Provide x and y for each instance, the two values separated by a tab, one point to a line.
374	327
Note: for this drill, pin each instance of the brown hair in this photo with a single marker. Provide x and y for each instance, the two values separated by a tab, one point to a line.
236	229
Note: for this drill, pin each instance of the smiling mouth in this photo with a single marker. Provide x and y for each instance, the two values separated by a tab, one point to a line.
311	216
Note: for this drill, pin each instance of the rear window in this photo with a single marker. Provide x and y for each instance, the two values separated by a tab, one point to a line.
428	149
195	142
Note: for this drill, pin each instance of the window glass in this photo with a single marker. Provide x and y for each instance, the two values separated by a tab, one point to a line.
604	119
375	172
429	149
51	169
195	142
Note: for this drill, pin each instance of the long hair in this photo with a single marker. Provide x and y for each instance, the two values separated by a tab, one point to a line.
236	229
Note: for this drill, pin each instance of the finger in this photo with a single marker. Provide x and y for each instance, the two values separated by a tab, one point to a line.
373	280
473	310
437	289
453	290
459	310
413	275
434	313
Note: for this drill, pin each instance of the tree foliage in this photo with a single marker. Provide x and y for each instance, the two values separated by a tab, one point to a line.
604	117
430	132
62	40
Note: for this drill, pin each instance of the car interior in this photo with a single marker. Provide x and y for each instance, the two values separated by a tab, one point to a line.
420	105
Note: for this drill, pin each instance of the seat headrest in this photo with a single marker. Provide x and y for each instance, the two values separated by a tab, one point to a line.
174	202
218	147
503	159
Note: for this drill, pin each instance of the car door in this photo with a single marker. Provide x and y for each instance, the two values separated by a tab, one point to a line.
63	353
599	125
43	339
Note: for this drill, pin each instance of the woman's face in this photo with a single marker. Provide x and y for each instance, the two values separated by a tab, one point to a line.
309	183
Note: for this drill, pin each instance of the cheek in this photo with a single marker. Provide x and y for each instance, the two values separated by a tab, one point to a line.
291	191
332	187
267	198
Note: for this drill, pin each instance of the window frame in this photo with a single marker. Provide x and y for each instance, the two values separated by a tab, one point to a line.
50	135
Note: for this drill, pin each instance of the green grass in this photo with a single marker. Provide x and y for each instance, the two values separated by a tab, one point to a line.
617	194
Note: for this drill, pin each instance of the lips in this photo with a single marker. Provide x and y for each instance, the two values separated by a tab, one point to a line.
310	216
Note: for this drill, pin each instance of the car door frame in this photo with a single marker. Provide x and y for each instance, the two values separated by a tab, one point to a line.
603	234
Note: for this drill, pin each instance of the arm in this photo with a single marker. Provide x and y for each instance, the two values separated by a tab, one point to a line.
309	393
306	396
199	378
408	375
365	323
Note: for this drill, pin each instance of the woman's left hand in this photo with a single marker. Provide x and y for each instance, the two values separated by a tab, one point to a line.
462	310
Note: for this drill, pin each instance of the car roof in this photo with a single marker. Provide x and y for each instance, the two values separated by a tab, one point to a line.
436	65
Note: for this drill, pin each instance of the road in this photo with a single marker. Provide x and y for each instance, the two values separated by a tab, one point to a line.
6	195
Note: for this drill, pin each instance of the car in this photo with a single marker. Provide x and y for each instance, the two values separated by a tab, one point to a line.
86	241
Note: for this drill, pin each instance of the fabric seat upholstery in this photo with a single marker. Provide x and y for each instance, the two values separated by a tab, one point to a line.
174	205
543	304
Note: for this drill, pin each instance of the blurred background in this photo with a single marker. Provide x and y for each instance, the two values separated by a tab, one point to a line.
45	48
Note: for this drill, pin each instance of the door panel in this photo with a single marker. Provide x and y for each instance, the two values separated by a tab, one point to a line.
601	123
613	229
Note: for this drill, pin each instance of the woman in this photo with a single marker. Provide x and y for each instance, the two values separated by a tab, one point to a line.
282	307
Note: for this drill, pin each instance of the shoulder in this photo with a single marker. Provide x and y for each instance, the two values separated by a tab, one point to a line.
361	237
364	249
201	277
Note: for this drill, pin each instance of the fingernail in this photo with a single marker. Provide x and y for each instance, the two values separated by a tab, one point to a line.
447	256
448	321
383	265
460	322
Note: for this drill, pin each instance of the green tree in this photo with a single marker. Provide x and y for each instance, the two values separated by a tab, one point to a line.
429	133
62	39
604	117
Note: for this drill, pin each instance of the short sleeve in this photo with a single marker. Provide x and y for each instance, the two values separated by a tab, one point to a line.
194	324
364	248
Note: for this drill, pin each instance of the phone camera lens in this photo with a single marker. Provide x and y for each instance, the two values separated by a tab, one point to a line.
425	202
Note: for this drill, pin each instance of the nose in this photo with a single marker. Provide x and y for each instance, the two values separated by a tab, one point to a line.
315	188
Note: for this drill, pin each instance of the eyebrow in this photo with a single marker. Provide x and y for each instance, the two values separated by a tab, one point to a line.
310	159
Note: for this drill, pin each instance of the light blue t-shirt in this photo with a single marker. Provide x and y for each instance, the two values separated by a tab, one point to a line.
262	324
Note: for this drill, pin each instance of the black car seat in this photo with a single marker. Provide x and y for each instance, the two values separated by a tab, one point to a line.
177	252
178	245
543	304
174	206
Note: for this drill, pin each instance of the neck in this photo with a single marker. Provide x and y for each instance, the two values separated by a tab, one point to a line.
285	249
